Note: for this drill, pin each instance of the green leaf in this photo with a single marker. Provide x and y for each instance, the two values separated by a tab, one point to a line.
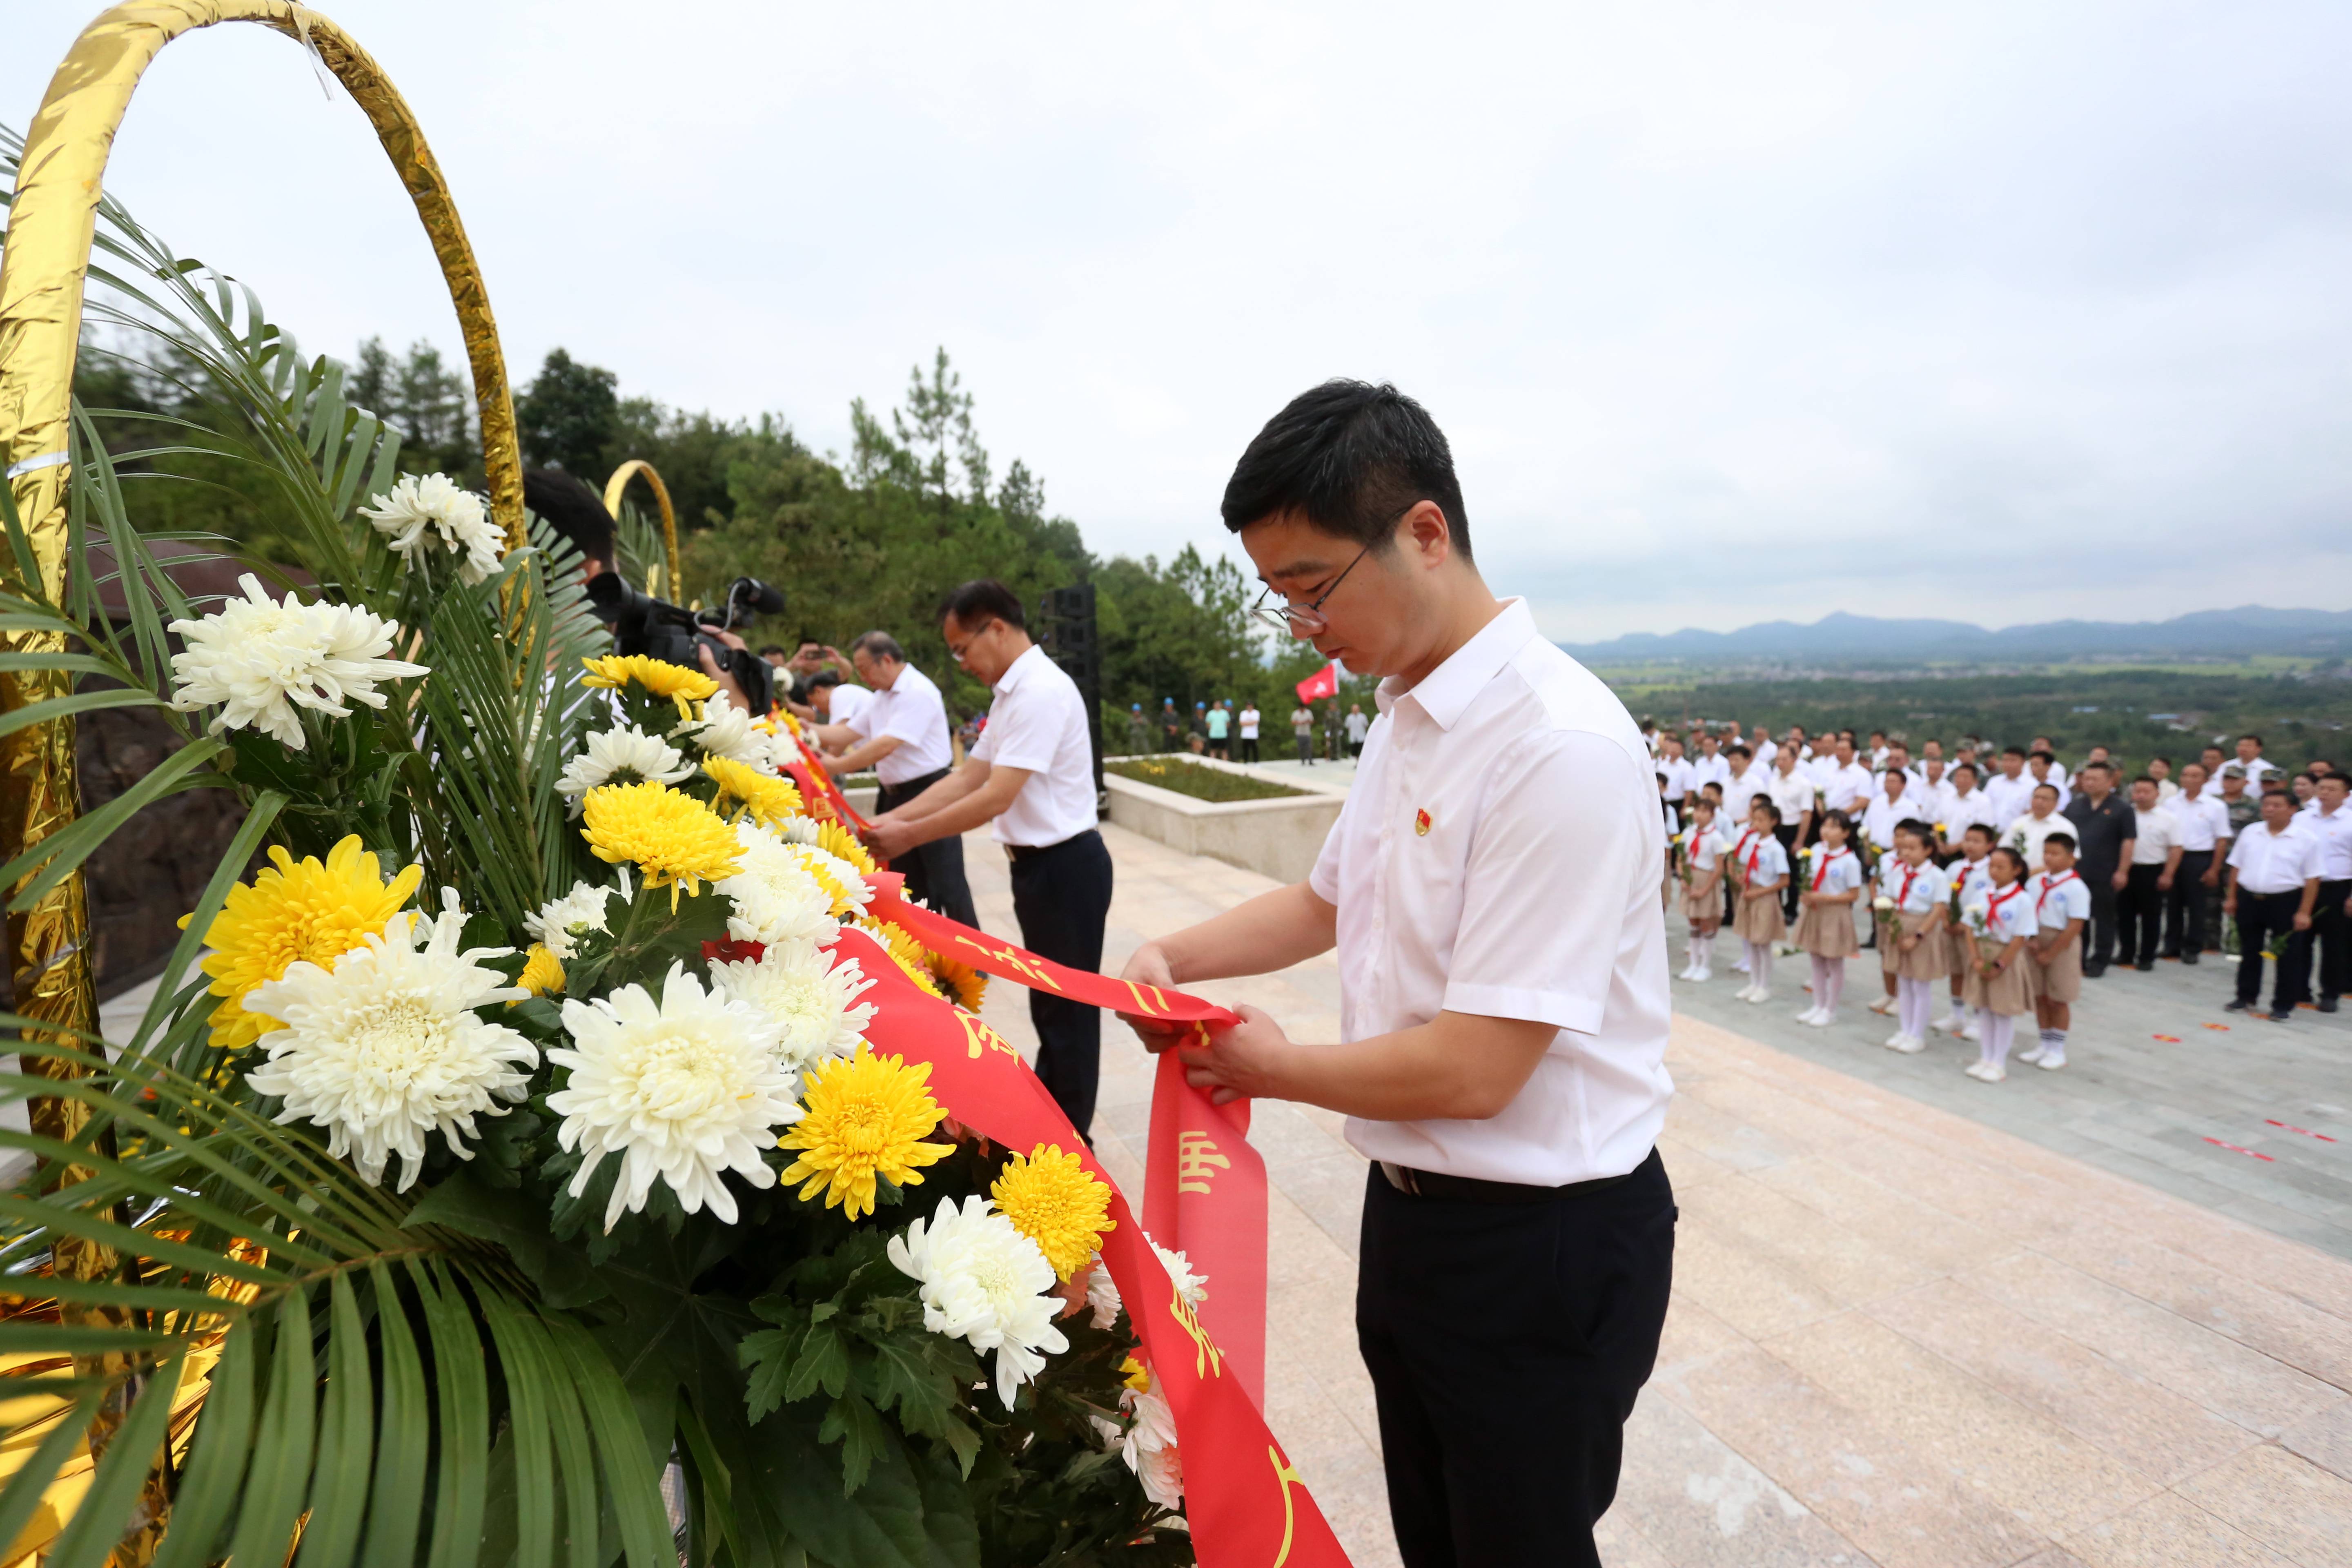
822	1361
80	702
862	1435
214	1478
769	1354
99	1519
907	1377
64	851
463	1419
472	1207
403	1436
340	1487
279	1471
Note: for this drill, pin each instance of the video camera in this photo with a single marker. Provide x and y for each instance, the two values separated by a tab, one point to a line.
657	629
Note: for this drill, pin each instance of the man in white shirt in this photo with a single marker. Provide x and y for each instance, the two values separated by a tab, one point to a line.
836	701
2332	922
1877	757
1675	769
2203	824
1791	788
2257	767
1743	781
1965	803
2027	834
1249	721
2272	888
901	733
1763	750
1849	785
1491	889
1710	766
2147	881
2008	791
2042	768
1031	775
2058	774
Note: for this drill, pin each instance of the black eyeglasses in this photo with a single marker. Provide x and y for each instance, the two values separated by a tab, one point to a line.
1302	620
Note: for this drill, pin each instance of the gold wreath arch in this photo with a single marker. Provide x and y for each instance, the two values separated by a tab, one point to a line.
620	482
51	223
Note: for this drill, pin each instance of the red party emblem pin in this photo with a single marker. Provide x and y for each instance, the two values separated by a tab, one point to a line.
1421	822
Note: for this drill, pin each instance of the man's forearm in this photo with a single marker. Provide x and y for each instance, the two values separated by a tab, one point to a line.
1457	1066
983	801
867	756
942	795
1271	931
2310	898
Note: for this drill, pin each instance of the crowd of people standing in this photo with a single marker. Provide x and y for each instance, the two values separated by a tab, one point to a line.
1997	872
1230	732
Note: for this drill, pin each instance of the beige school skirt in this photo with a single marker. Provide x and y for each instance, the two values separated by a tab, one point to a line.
1702	899
1759	920
1960	952
2061	980
1826	930
1925	962
2007	995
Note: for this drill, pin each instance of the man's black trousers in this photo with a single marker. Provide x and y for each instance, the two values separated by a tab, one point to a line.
2099	940
2139	913
2261	918
1787	834
2184	905
1507	1342
1061	896
934	871
2333	931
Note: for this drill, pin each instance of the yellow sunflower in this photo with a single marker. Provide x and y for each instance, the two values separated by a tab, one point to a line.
673	838
294	910
542	972
660	679
839	842
865	1116
1051	1198
905	952
962	983
768	798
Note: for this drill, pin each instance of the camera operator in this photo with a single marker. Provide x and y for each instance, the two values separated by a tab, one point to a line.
645	625
900	730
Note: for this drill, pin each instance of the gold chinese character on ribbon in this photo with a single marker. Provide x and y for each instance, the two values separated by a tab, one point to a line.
978	1037
1206	1360
1195	1154
1012	958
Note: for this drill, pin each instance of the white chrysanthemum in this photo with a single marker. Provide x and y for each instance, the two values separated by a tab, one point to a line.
684	1089
554	925
1150	1445
985	1283
726	731
386	1047
827	864
783	749
258	658
1102	1295
622	755
1193	1287
806	990
775	897
419	513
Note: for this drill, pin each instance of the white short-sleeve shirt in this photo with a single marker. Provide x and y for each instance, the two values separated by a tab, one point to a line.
1969	879
1762	861
1701	848
2269	862
1847	788
1915	889
1834	873
1498	854
2334	835
2203	821
2154	835
845	703
1792	793
1039	724
1737	792
1707	770
1249	723
911	711
2004	914
2058	897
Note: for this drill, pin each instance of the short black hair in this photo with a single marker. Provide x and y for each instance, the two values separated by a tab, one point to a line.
1969	768
2066	839
2257	740
823	679
1765	804
1738	749
1983	827
571	509
1351	458
981	599
1912	825
774	648
1838	815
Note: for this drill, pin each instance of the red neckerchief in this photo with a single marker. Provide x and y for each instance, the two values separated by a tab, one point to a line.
1740	845
1961	869
2049	885
1994	901
1752	854
1823	869
1910	874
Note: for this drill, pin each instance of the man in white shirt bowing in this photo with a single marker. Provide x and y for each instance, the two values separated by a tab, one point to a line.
900	730
1032	773
1491	888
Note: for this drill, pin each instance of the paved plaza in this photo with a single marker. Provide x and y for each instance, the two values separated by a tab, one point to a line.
1917	1322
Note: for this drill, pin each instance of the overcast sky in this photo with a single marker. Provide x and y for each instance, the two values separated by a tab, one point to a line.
2006	312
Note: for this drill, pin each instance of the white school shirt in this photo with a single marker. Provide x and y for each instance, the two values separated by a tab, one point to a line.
1793	795
2270	862
1763	861
2058	899
2003	914
1834	873
1701	848
1249	723
1968	878
911	712
1738	789
1706	770
2034	830
1881	816
1928	886
1846	787
1498	854
1039	724
2334	832
2202	822
2154	835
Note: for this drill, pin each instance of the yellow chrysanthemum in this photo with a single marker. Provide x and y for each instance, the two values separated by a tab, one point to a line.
673	838
542	972
866	1116
768	798
962	983
660	678
1136	1375
1055	1202
839	842
831	875
905	952
291	912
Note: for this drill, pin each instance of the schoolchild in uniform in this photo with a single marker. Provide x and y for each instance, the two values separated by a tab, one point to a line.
2000	917
1735	864
1703	849
1763	866
2062	902
1833	880
1913	951
1968	876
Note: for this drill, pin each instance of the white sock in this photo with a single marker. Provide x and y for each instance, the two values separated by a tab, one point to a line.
1760	961
2057	1039
1914	997
1998	1028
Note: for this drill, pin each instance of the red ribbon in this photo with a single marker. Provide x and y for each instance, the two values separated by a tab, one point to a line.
822	795
1205	1196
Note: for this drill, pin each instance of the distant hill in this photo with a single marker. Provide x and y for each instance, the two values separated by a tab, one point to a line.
1842	639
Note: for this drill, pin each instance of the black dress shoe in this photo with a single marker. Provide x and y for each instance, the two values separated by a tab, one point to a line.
2187	958
2281	1014
2145	965
2236	1005
2327	1003
2096	968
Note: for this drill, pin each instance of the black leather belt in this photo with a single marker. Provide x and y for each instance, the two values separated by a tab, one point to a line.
1478	1189
1018	852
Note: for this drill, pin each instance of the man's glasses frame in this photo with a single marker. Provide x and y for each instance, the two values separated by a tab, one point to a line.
1302	620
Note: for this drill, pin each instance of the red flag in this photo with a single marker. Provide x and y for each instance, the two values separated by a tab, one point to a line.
1244	1500
1324	682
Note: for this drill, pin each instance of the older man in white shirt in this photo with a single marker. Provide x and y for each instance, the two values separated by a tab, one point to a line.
900	730
1491	889
2273	887
2331	820
2147	880
2203	824
1848	785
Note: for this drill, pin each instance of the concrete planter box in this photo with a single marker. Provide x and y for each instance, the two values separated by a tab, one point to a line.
1278	838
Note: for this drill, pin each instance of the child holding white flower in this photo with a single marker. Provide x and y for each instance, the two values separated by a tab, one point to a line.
2062	903
2000	921
1968	876
1833	882
1912	947
1763	868
1703	891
